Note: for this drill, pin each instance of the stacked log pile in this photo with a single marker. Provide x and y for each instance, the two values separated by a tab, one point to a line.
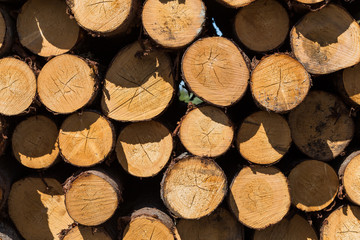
179	119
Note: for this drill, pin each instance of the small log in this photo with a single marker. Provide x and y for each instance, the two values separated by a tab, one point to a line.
206	132
348	85
235	3
8	233
144	148
348	174
45	29
106	18
321	127
66	83
18	84
35	142
263	25
91	197
173	23
263	138
295	227
341	224
259	196
149	223
85	233
215	69
138	86
326	40
86	139
7	31
313	185
193	187
220	225
279	83
36	206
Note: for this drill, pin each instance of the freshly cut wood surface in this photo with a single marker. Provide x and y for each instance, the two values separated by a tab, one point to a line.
220	225
263	25
17	86
7	232
173	24
235	3
349	81
313	185
349	173
86	233
35	142
279	83
294	228
91	197
103	17
321	127
66	83
36	206
206	131
263	138
259	196
86	139
144	148
7	31
45	28
310	1
137	88
193	187
215	70
327	40
342	224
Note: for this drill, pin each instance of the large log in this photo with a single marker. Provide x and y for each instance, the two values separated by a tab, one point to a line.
348	174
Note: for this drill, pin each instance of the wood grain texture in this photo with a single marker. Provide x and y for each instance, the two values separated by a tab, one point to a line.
235	3
86	233
348	173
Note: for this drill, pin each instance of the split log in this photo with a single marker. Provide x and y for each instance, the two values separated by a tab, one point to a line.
45	28
7	31
35	142
137	88
144	148
206	132
342	224
263	25
66	83
259	196
313	185
348	85
149	223
296	228
235	3
18	86
85	233
173	23
36	206
106	18
86	139
7	232
321	127
326	40
220	225
348	173
216	70
263	138
193	187
91	197
279	83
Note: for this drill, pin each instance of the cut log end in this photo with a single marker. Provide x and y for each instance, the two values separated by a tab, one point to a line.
310	1
45	28
144	148
323	41
259	196
35	142
350	179
313	185
7	31
235	3
263	138
206	131
279	83
350	84
263	25
66	83
18	86
215	70
86	139
91	197
193	187
321	127
137	88
173	24
86	233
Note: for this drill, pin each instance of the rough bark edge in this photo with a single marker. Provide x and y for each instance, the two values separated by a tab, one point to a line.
189	110
94	229
251	77
342	191
113	138
183	157
307	6
7	232
9	33
247	63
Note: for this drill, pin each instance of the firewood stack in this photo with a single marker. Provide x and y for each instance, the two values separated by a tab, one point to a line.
179	119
